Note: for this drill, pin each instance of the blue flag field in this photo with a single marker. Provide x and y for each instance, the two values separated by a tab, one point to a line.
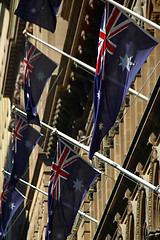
122	49
42	13
70	180
9	203
24	139
38	69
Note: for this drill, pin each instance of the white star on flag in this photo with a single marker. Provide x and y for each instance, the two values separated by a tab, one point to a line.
28	144
33	10
100	126
59	236
27	95
98	94
15	176
78	185
51	212
126	62
40	76
12	206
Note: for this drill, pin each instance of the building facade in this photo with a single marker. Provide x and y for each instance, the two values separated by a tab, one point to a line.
123	208
5	104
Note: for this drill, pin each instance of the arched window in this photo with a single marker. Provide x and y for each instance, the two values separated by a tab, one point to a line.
155	199
142	215
130	226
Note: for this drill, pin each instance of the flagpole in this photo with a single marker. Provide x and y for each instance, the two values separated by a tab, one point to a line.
60	51
109	161
26	183
91	69
46	194
156	189
127	10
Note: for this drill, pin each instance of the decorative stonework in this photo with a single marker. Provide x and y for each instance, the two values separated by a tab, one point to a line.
119	232
150	197
128	194
19	83
16	96
118	217
141	225
106	152
155	17
92	190
116	128
126	101
138	214
129	210
152	139
153	11
110	141
120	114
101	165
153	210
129	226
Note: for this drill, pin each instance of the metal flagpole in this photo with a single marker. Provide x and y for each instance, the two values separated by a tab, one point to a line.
26	183
61	52
79	62
156	189
41	191
127	10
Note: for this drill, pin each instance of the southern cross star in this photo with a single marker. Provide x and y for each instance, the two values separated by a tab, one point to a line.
98	94
28	144
78	185
40	76
12	206
59	236
51	212
33	10
15	176
100	126
126	62
28	95
2	234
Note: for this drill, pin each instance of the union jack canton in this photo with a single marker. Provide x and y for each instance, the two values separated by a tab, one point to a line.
31	55
122	49
38	69
111	25
24	139
3	196
63	159
19	126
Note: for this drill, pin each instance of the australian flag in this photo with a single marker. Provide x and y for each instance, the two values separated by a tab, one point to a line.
122	49
9	203
24	139
38	69
41	12
70	179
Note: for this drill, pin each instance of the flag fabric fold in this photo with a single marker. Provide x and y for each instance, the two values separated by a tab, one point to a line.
122	49
9	203
70	179
24	139
41	12
38	69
